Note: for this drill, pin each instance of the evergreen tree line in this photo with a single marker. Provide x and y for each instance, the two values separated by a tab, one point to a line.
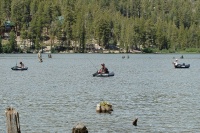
171	25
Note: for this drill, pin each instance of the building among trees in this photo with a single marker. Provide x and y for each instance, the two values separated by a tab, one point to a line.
152	25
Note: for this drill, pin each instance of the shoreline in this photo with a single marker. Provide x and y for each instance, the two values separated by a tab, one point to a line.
103	53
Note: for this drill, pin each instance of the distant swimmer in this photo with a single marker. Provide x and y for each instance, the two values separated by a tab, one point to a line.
181	57
49	55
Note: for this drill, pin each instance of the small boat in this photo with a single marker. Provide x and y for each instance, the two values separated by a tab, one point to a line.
103	74
19	68
182	65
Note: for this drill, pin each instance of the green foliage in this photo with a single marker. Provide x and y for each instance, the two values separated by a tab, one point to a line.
53	50
147	50
6	49
12	42
37	43
193	50
104	31
166	25
1	47
171	51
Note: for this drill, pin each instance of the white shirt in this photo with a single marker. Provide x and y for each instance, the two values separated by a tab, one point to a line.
176	63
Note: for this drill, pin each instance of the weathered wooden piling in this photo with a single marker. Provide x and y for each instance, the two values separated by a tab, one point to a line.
79	128
12	121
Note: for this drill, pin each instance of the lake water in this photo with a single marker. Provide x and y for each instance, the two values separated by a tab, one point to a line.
53	96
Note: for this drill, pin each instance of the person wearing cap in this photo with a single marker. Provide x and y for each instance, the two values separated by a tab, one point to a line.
103	69
21	65
176	62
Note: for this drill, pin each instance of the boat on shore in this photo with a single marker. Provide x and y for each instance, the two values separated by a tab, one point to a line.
96	74
17	68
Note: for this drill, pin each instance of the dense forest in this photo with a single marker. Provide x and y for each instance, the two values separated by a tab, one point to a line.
172	25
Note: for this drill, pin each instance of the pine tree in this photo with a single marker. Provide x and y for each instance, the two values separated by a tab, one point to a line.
1	47
12	42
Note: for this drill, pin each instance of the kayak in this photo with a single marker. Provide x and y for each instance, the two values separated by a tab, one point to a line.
19	68
103	74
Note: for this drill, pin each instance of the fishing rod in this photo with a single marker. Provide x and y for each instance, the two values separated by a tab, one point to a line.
92	64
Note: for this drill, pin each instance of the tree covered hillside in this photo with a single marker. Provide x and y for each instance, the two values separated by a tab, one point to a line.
171	25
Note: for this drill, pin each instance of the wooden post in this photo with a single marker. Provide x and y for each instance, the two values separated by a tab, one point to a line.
79	128
12	121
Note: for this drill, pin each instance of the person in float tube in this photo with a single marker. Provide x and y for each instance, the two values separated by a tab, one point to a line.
21	65
49	55
103	69
175	62
181	57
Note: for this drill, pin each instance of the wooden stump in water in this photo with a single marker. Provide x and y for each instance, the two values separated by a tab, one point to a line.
104	107
12	121
79	128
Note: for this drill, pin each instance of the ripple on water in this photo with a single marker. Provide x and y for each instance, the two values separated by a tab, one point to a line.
55	95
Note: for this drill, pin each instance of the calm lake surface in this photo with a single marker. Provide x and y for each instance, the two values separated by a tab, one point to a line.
53	96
